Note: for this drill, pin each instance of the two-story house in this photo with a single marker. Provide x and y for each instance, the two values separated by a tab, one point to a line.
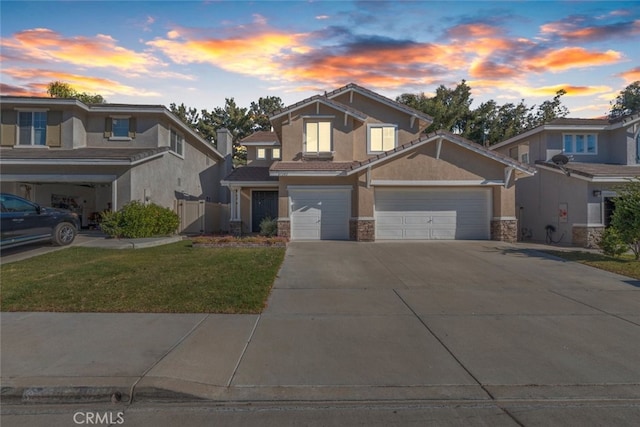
90	158
580	163
353	164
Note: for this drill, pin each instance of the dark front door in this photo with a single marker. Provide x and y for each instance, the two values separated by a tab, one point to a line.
264	204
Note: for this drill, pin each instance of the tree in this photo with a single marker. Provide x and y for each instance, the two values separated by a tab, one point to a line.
488	124
449	107
627	102
60	89
549	110
259	112
626	215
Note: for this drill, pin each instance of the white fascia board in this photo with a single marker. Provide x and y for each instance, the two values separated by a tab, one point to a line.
249	183
261	144
67	162
306	173
320	187
435	183
104	179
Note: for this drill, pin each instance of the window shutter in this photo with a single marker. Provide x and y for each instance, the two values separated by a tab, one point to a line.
132	127
9	124
108	126
54	129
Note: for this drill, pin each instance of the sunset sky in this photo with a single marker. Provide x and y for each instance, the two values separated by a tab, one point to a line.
201	52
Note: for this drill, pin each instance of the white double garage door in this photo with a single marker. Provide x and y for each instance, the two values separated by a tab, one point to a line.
322	213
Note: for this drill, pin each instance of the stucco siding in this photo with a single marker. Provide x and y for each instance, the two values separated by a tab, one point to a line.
455	163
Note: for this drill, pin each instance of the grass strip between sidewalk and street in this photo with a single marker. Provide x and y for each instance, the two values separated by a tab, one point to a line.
175	278
625	265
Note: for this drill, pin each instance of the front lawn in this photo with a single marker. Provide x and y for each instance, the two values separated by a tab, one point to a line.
175	278
625	265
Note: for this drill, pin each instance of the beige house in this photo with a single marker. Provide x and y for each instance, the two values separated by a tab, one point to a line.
354	165
89	158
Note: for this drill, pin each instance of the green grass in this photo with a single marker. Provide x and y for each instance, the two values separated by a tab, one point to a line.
625	265
175	278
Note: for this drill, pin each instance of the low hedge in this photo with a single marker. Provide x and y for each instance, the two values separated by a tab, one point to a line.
137	220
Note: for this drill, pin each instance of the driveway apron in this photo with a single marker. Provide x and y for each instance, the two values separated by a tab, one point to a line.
472	320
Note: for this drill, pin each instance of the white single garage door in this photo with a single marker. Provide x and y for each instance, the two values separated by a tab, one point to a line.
320	213
433	213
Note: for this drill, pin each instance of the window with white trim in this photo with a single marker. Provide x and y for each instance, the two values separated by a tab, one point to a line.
176	143
317	136
275	154
32	128
261	153
580	143
381	137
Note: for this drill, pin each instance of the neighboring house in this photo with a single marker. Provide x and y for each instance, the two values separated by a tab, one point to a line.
352	164
90	158
575	199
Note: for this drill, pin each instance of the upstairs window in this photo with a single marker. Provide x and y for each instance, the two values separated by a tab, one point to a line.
382	137
176	143
580	143
317	136
32	128
275	154
261	153
120	128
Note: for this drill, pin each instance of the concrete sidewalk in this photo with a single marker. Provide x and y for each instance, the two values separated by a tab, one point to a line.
480	322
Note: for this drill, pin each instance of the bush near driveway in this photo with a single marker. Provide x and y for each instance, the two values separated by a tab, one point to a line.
137	220
175	278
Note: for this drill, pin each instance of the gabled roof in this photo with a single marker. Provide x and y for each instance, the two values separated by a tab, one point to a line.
322	100
595	172
80	156
448	136
261	137
382	99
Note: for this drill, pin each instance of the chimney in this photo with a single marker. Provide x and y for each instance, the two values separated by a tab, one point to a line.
224	145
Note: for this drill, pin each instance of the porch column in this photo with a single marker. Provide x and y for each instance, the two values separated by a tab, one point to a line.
235	222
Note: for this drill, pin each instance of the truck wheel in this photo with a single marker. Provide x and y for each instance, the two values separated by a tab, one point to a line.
64	234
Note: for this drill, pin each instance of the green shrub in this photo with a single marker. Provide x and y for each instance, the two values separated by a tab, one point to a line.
268	227
137	220
611	243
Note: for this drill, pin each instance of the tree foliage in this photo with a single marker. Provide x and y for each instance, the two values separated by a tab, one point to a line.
487	124
627	102
60	89
626	215
240	121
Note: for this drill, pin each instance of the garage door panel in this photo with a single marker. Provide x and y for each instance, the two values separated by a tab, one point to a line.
318	214
428	213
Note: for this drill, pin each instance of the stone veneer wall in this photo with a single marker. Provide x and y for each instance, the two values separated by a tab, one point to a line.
235	228
284	228
362	230
504	230
585	236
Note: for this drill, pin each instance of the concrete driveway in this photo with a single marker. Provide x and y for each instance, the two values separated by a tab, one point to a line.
446	319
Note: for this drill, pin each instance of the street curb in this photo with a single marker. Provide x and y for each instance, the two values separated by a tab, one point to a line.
54	394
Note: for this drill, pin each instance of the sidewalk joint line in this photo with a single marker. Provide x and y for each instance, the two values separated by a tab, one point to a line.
166	353
244	350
